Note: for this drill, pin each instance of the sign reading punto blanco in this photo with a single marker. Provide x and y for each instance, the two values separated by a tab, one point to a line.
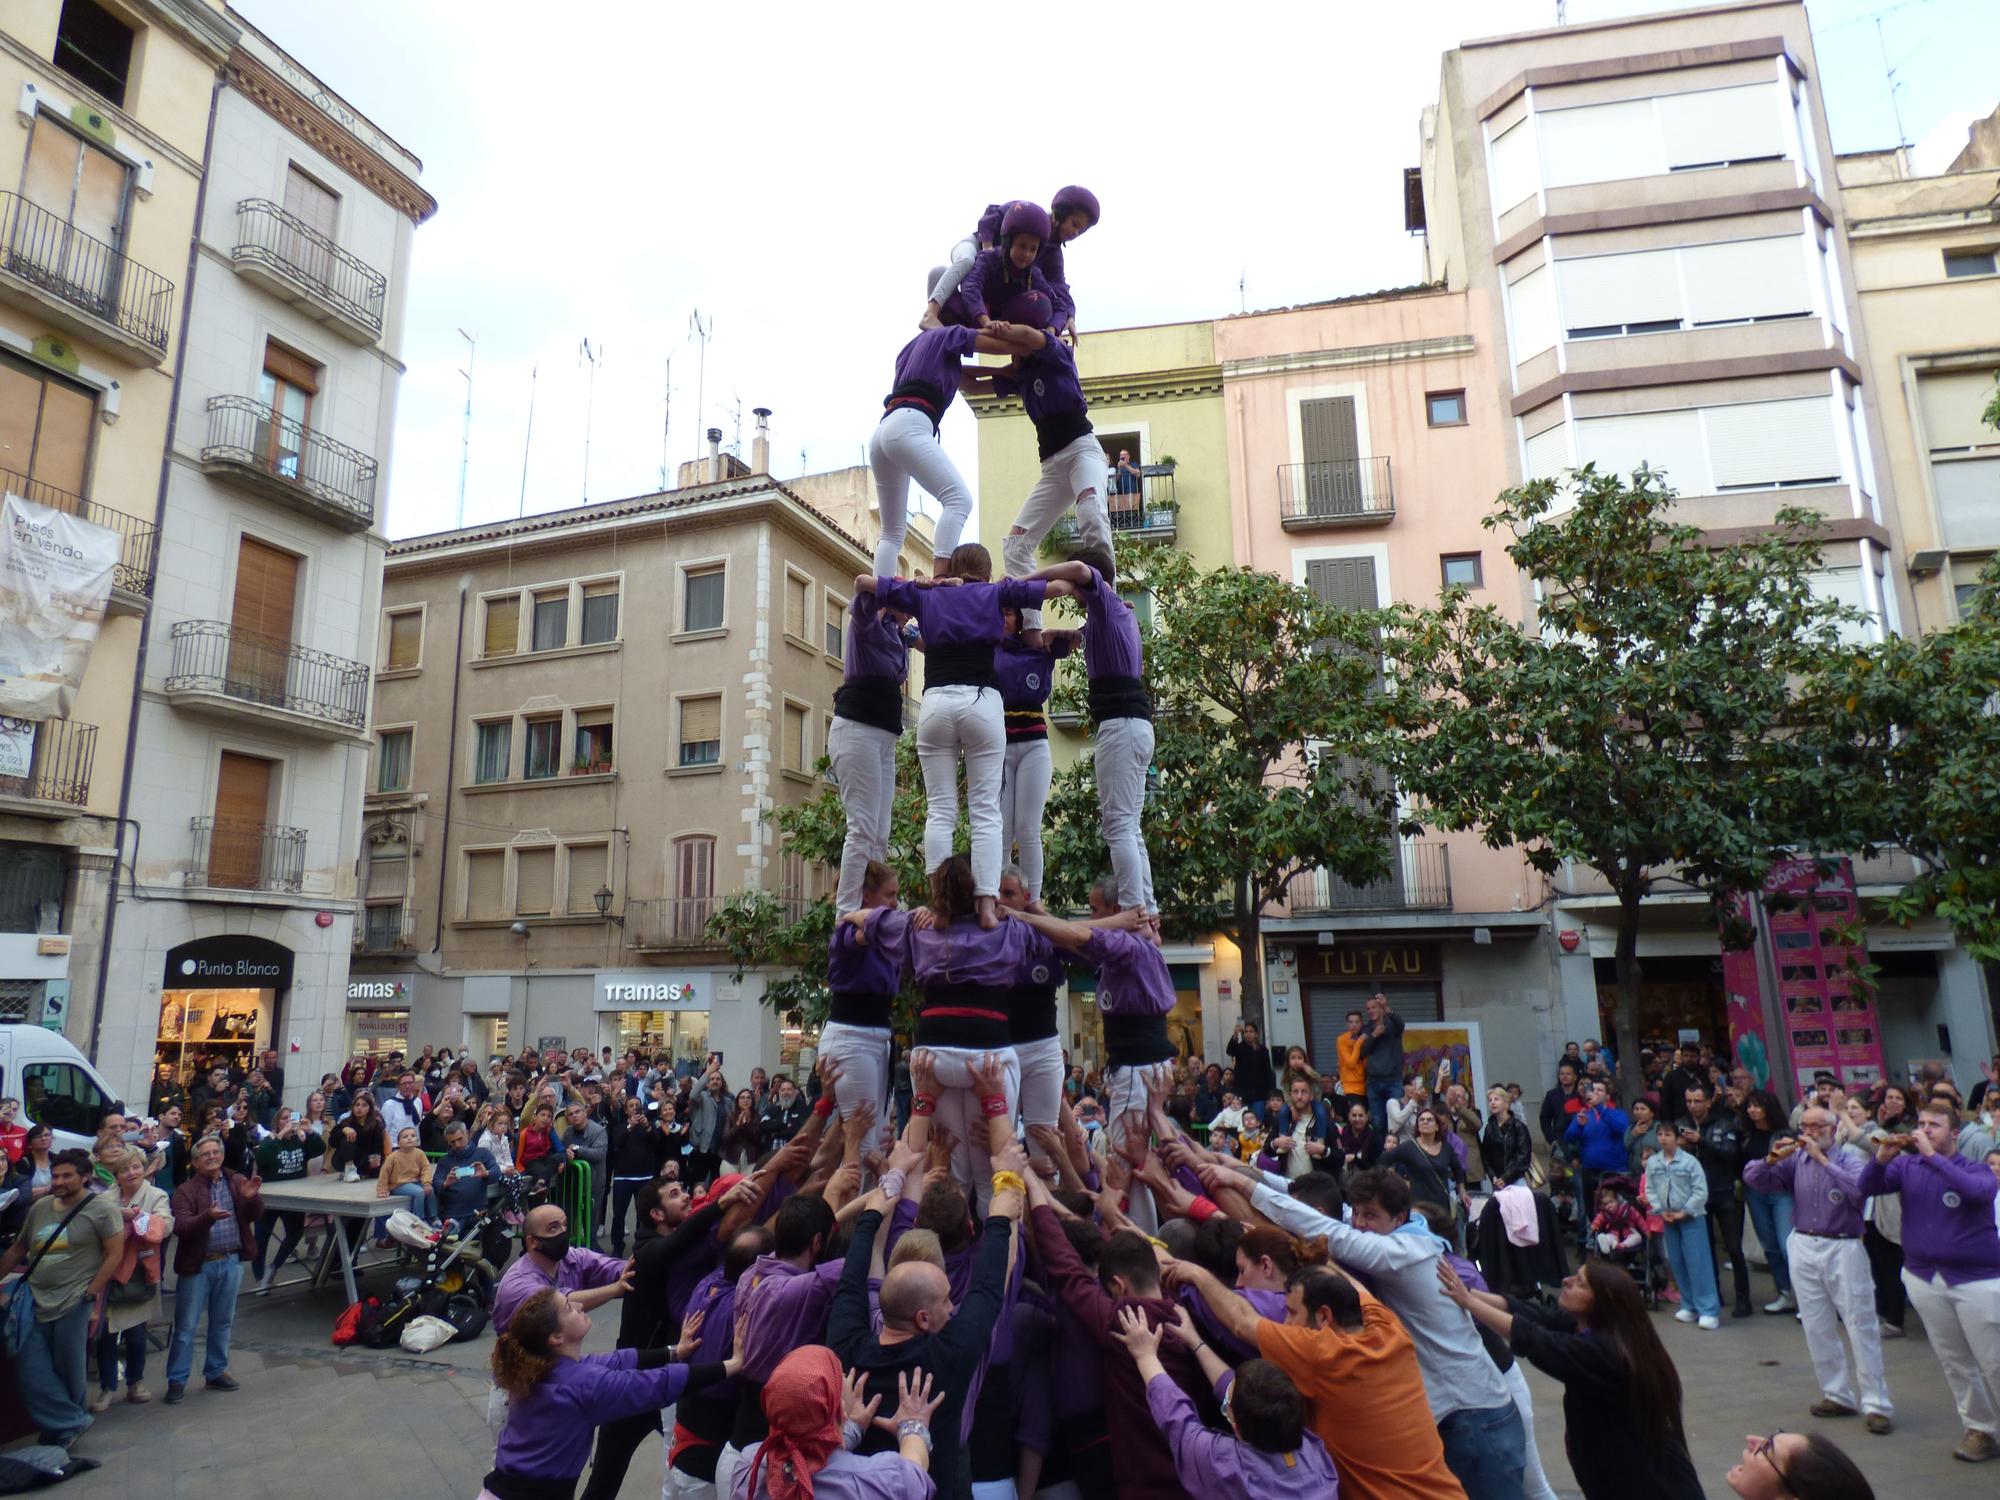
652	989
55	579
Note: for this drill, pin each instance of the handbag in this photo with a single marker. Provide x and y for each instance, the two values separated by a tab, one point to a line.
21	1306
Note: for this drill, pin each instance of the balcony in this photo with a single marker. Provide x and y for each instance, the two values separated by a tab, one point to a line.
235	856
1150	513
1419	880
54	758
274	456
1336	492
138	541
241	674
295	262
383	929
90	288
670	922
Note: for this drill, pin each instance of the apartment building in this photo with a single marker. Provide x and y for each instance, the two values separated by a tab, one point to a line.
251	742
1651	209
584	722
98	190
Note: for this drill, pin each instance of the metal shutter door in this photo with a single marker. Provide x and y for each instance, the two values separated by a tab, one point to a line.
1718	125
1597	291
1669	441
1746	279
1772	442
1599	143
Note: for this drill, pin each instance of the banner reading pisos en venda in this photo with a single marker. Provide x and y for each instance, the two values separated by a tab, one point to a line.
55	579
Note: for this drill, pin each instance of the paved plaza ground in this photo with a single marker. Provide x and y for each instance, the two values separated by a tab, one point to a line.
349	1422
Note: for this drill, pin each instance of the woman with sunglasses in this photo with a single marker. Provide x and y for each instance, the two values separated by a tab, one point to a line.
1794	1466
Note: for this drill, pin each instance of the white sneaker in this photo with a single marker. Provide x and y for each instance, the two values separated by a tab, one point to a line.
264	1284
1782	1303
1711	1324
1685	1315
350	1175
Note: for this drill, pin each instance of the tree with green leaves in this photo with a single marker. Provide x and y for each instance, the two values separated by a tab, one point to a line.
1644	722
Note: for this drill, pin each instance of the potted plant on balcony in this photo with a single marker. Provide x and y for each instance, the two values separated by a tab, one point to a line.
583	767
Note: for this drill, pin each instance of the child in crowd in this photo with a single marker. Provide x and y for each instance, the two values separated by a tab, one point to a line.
1618	1226
1231	1116
536	1154
406	1173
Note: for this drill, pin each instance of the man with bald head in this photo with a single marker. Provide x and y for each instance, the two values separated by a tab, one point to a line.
1830	1274
548	1260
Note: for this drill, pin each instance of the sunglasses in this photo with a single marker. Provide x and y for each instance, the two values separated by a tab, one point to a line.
1767	1449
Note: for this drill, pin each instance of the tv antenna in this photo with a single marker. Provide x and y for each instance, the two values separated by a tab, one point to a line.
592	357
528	439
703	331
465	438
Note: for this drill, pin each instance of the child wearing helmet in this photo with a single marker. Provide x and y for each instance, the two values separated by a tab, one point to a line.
1072	212
997	276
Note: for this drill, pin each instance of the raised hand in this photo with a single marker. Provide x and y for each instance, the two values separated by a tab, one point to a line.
829	1073
923	1073
990	1076
914	1401
853	1408
1141	1339
1011	1159
859	1124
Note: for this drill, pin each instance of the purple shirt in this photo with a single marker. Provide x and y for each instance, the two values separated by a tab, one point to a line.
577	1271
1221	1466
781	1307
1826	1200
1269	1305
1048	386
992	282
853	968
715	1295
549	1430
1132	977
846	1476
1111	646
874	642
1026	674
1049	262
1948	1226
965	614
929	367
963	953
688	1272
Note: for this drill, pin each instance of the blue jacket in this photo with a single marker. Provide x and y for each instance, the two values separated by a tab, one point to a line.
1602	1134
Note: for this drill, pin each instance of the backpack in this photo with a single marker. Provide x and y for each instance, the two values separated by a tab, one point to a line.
347	1327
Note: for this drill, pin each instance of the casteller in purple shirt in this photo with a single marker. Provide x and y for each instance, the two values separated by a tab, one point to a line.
1221	1466
1049	262
1948	1225
928	369
577	1271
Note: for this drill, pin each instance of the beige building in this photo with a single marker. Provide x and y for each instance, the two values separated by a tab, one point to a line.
584	721
98	192
1927	263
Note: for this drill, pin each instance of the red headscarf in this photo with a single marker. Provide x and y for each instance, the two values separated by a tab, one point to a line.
802	1404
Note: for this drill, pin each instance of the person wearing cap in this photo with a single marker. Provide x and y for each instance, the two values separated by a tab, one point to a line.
818	1418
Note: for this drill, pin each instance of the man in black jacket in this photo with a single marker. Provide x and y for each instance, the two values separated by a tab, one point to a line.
1715	1137
1559	1106
1678	1079
1252	1062
782	1117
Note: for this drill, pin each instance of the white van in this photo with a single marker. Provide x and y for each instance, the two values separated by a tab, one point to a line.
55	1083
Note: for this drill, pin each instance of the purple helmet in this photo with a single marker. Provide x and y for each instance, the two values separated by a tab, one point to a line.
1023	217
1068	200
1030	309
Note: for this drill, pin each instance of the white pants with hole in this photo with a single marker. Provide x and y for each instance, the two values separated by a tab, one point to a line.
1072	475
1041	1066
904	448
958	1111
963	720
1123	752
864	768
944	279
1963	1325
1025	778
1833	1284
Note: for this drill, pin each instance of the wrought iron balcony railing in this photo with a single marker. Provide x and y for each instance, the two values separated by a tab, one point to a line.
285	455
213	656
1419	879
1335	492
237	856
383	929
138	541
269	236
60	752
52	254
670	922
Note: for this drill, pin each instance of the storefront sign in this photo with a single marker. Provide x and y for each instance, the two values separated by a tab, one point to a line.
55	573
1359	962
377	989
235	961
383	1025
652	989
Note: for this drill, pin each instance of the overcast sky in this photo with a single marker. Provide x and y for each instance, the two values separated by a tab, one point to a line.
791	171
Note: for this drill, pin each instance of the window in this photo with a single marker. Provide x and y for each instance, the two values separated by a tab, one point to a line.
1721	127
244	852
792	890
795	736
1141	601
392	760
1672	133
289	383
701	605
486	883
382	928
1730	281
406	639
593	740
33	890
1513	177
318	209
551	627
78	185
694	876
95	48
534	882
836	627
492	753
798	606
45	426
62	1097
1444	408
589	872
1548	453
1715	449
544	757
503	626
600	612
1964	456
1971	263
701	731
1461	570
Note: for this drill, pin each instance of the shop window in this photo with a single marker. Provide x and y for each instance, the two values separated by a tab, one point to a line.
534	882
94	47
701	605
544	749
199	1028
600	613
503	626
492	751
406	640
551	627
701	731
392	760
62	1097
593	741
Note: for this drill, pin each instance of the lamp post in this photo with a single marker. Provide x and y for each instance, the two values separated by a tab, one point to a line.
602	896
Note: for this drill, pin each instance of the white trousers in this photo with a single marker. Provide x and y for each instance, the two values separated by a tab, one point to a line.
496	1409
1124	751
863	1055
1534	1483
1025	778
958	1111
864	768
725	1467
944	279
1041	1065
963	720
1963	1325
1072	475
904	448
1833	1285
675	1485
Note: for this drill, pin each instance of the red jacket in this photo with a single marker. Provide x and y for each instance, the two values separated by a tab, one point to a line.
191	1202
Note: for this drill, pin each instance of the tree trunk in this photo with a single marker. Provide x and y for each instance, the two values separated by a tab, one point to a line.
1249	943
1625	963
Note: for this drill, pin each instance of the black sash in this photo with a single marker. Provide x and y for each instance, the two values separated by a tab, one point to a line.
1055	433
1119	698
874	701
965	665
860	1008
1134	1041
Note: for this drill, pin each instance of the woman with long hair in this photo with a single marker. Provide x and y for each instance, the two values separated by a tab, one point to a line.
739	1135
1796	1466
1770	1213
1882	1226
1359	1143
358	1139
1432	1169
1621	1393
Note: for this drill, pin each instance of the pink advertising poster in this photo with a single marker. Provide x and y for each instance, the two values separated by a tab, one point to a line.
1744	986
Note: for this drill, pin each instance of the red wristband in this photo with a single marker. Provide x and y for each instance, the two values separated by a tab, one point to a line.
1203	1208
824	1107
994	1106
924	1104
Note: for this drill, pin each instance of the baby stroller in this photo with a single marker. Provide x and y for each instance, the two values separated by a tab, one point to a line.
1643	1261
455	1272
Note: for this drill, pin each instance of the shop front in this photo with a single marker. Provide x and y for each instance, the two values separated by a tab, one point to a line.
487	1002
655	1011
1086	1038
378	1016
221	1004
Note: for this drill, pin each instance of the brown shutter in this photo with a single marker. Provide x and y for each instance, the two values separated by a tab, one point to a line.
503	626
242	807
485	883
701	719
534	882
695	869
387	878
406	640
294	370
589	870
260	620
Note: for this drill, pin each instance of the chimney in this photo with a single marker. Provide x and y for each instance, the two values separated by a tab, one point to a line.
760	442
714	456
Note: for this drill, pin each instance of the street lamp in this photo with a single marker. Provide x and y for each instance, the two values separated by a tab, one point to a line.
603	899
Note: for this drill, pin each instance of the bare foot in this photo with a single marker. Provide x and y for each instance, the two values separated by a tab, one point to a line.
989	915
931	317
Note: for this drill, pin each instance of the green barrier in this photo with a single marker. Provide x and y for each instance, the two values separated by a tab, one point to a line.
577	1201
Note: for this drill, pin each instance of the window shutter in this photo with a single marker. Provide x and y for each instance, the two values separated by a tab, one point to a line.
1513	176
1669	441
1344	583
307	200
1533	301
1746	279
701	719
795	606
1772	442
1601	290
266	590
1968	495
386	878
1951	404
694	868
1843	586
1548	453
1718	125
589	870
534	882
293	369
1599	143
406	640
485	881
503	626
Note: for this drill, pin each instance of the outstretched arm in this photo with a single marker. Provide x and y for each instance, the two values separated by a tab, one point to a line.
1074	573
1009	338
